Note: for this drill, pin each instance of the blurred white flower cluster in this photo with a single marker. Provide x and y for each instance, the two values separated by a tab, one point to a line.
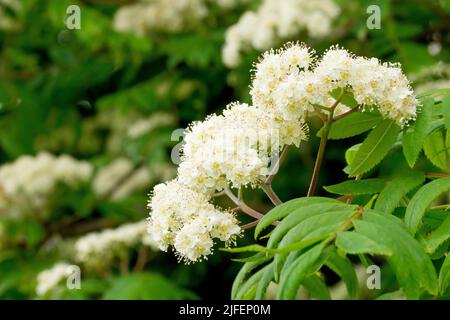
166	16
98	249
27	183
436	76
50	278
291	83
275	21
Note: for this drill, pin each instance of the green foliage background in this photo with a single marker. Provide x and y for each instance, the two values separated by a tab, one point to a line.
54	83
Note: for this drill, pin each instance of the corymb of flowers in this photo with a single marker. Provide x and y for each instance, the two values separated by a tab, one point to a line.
243	146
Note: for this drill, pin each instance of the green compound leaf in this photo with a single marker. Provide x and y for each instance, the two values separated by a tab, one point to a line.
396	189
412	266
421	200
375	147
357	187
414	136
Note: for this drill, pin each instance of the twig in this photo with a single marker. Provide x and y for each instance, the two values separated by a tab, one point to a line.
244	207
141	259
321	151
437	175
267	188
355	109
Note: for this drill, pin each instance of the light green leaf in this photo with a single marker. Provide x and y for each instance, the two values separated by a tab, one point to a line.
344	269
414	136
266	279
260	258
413	267
316	287
396	189
281	211
356	243
446	111
435	149
356	187
422	199
304	266
438	236
375	147
444	275
353	124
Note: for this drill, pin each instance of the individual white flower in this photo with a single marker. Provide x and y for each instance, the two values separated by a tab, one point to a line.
183	218
49	279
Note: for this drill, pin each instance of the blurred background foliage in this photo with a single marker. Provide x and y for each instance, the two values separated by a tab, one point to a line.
110	97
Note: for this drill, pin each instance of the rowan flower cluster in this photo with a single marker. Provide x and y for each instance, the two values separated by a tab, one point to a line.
236	148
27	183
274	21
292	81
183	218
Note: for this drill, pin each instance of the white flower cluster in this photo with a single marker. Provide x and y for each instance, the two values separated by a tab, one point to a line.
50	278
27	183
167	16
235	148
291	83
160	15
99	248
276	20
184	218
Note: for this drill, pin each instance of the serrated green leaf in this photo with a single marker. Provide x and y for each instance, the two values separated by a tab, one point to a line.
438	236
304	266
396	189
344	269
375	147
421	200
316	287
248	289
446	111
266	279
408	256
314	228
435	149
299	215
444	275
281	211
353	124
414	136
260	258
356	243
356	187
